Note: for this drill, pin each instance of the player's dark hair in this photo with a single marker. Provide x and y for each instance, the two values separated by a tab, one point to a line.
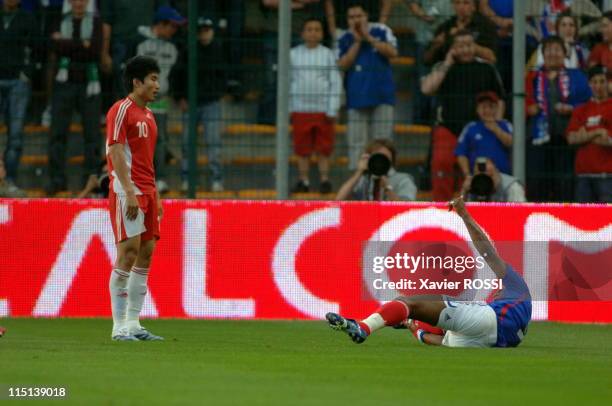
553	39
608	15
312	20
138	68
382	142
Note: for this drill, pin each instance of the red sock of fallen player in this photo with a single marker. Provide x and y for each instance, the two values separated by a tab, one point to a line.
389	314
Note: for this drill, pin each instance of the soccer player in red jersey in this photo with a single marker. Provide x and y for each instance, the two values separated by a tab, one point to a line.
135	205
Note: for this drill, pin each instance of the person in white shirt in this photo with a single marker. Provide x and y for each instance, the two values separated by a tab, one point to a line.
314	102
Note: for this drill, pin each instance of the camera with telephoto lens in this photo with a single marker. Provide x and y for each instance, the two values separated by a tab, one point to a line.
482	186
379	164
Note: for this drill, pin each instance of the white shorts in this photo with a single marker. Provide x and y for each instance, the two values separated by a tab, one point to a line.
468	324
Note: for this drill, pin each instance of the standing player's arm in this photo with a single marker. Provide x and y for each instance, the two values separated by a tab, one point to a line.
117	156
479	238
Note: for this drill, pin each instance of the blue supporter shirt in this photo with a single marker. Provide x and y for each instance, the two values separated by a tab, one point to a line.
369	82
513	310
476	140
502	8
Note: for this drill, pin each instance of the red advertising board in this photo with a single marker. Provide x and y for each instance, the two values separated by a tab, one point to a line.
279	259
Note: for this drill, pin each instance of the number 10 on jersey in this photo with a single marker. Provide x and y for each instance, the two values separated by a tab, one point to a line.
143	129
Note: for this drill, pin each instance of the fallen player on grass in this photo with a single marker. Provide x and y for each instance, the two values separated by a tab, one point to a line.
444	320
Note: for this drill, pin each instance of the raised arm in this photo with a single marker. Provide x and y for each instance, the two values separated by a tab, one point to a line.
344	193
330	16
384	48
479	238
385	10
432	82
348	59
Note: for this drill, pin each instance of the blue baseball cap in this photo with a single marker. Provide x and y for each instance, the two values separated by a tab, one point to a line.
167	13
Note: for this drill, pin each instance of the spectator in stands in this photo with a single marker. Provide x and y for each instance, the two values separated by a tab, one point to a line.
155	41
335	10
542	16
7	188
300	11
602	52
490	185
121	19
552	93
501	13
576	53
316	87
466	18
591	128
49	15
364	185
487	137
77	43
17	34
364	54
430	14
456	81
212	84
233	16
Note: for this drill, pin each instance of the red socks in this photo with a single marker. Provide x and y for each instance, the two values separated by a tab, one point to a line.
393	312
389	314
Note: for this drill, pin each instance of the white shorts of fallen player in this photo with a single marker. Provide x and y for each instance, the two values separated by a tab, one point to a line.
468	324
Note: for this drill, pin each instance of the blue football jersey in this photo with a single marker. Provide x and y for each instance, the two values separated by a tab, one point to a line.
513	309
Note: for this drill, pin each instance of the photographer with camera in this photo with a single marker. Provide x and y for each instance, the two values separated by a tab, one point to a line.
97	185
376	178
490	185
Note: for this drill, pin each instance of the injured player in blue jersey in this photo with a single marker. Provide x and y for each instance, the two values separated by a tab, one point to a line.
500	323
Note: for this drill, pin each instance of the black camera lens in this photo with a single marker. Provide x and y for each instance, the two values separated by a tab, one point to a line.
379	164
481	187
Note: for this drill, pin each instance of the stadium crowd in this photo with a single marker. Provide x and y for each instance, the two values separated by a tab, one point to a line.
61	57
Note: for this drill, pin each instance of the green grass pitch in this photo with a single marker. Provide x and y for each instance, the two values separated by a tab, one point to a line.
302	363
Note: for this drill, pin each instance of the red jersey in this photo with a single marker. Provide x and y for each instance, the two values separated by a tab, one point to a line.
135	128
601	55
592	158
